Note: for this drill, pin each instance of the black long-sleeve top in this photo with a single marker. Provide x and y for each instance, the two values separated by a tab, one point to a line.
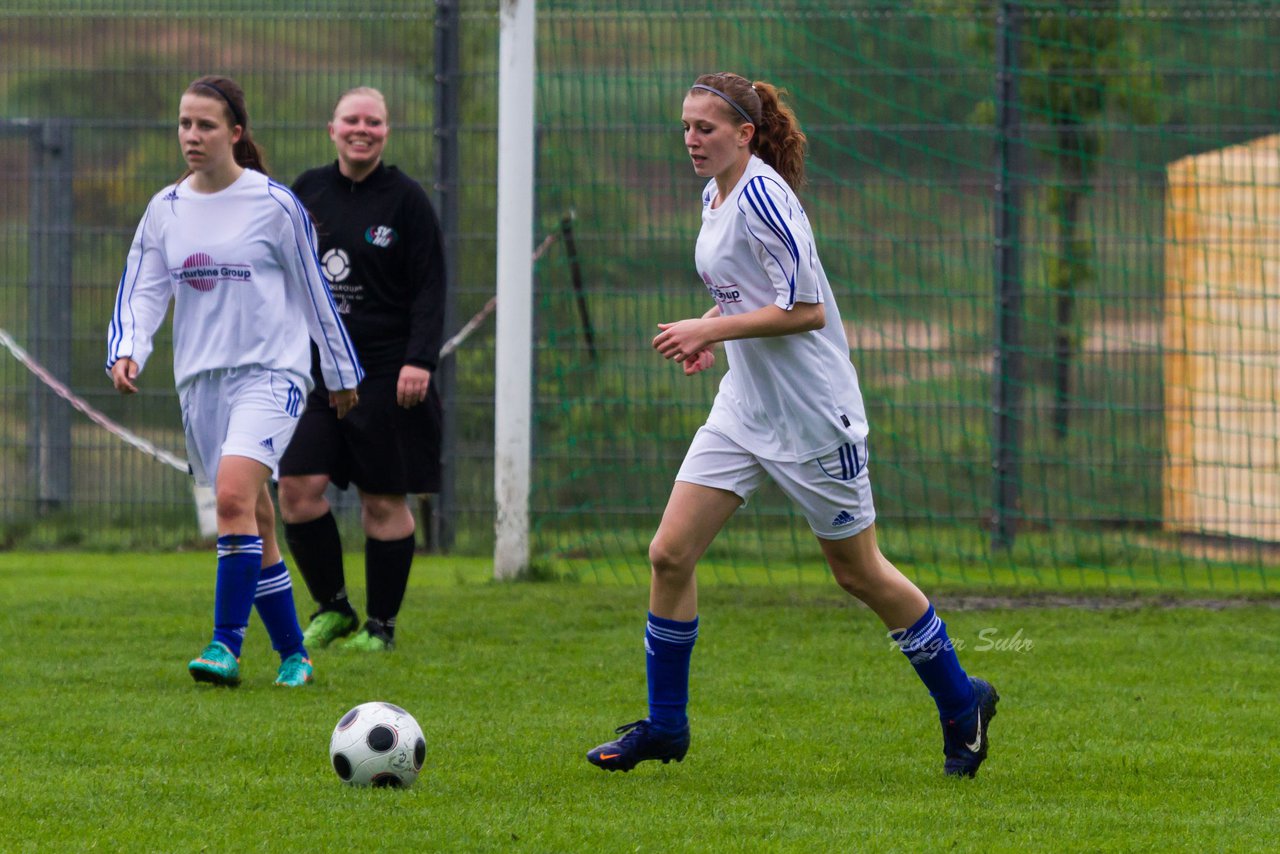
383	253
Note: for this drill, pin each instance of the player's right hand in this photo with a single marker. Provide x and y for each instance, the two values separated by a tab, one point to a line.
123	372
700	362
344	401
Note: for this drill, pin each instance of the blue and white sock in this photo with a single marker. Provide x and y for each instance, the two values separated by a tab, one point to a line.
274	602
239	563
932	654
668	646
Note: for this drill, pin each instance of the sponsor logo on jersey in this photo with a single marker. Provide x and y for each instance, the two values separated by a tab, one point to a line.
202	273
336	265
727	293
381	236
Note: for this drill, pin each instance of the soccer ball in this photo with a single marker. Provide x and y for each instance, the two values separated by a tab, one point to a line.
377	744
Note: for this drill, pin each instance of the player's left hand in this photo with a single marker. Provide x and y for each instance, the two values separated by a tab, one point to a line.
411	388
682	340
344	401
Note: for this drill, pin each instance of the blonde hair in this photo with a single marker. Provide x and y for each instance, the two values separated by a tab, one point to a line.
368	91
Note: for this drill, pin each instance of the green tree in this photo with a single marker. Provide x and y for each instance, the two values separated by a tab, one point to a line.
1077	63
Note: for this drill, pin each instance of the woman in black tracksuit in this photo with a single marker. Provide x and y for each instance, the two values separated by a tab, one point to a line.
383	253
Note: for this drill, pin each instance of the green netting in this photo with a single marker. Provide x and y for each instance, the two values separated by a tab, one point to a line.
1143	371
898	101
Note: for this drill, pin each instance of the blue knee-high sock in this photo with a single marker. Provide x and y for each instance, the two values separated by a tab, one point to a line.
668	646
932	654
274	602
239	562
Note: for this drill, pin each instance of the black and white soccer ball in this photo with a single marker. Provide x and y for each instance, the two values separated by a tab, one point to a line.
377	744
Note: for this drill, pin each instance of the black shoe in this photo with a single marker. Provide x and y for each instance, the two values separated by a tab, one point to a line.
641	741
964	740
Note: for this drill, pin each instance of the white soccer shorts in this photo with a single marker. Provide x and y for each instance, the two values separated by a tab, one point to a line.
244	412
832	491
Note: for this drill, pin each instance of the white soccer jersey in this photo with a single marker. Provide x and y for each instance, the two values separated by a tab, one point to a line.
792	397
241	267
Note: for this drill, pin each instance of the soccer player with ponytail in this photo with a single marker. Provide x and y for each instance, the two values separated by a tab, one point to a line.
789	410
236	253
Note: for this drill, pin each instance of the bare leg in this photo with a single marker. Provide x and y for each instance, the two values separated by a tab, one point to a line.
265	512
865	573
693	517
241	482
386	517
302	498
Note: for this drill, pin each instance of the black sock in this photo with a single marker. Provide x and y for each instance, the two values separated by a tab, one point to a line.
386	573
386	631
317	552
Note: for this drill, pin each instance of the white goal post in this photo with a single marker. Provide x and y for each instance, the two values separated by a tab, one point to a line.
513	381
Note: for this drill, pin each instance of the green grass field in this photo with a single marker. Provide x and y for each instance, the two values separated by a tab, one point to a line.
1135	726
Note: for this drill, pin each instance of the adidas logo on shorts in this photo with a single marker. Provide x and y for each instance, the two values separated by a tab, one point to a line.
268	444
842	518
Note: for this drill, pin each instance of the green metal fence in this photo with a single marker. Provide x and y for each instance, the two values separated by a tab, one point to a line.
989	186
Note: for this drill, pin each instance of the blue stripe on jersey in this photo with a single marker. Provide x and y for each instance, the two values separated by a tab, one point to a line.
767	211
300	213
309	231
116	331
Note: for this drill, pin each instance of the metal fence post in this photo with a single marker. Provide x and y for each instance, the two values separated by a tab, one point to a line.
444	514
49	309
1008	370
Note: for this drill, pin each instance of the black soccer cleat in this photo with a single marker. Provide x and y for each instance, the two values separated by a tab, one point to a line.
964	740
640	742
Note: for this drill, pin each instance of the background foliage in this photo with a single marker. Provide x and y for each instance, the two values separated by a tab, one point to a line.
897	103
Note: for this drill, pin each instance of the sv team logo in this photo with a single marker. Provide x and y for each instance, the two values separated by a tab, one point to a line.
202	273
381	236
336	265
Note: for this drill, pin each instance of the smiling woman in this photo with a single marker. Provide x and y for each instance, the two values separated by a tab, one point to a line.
383	253
359	131
241	359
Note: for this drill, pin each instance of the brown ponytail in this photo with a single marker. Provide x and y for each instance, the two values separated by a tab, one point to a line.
778	139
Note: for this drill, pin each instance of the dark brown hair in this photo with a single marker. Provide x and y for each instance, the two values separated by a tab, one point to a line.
778	139
224	89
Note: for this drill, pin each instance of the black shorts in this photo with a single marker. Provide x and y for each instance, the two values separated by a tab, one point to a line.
381	447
